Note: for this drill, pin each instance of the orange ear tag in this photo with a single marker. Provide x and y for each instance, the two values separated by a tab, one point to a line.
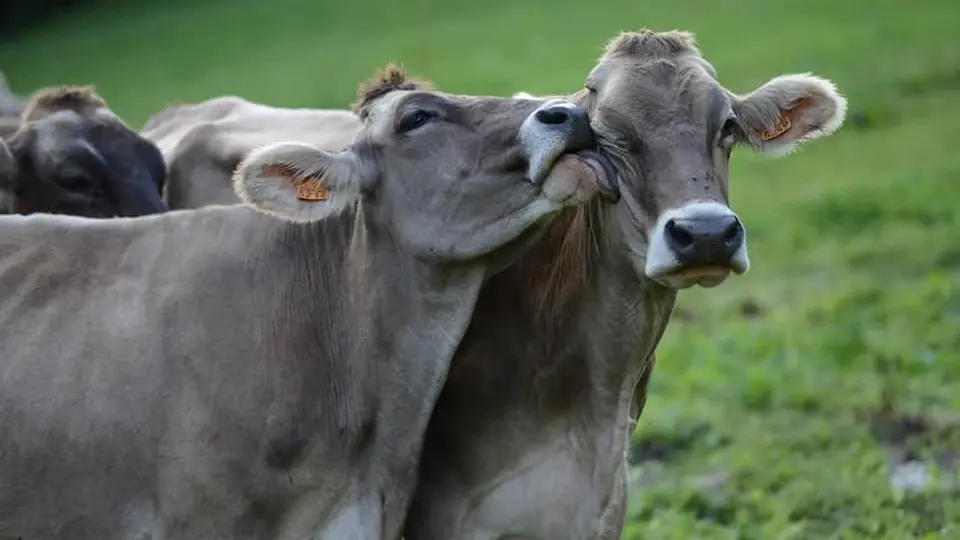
783	125
311	190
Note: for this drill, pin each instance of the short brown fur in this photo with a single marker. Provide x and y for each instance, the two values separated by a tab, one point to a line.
646	43
389	78
556	278
80	99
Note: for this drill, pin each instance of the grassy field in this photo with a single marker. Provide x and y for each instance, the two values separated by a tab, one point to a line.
789	404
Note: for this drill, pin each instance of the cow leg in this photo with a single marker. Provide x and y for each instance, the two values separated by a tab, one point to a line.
614	515
359	519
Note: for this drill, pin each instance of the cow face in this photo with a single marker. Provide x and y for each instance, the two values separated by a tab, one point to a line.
452	177
660	113
71	155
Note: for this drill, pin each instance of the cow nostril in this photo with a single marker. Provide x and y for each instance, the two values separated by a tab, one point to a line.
681	238
733	233
553	116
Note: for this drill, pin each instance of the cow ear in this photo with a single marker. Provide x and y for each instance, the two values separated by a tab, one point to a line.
298	182
788	111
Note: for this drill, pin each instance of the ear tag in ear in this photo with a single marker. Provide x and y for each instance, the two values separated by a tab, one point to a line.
783	125
308	189
311	190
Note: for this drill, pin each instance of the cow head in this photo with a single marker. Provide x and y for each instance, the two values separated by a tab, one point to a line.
72	155
663	117
452	177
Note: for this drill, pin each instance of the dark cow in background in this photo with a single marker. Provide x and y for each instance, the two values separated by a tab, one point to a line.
268	372
72	155
530	434
202	143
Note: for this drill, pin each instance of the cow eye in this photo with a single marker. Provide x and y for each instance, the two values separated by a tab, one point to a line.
414	119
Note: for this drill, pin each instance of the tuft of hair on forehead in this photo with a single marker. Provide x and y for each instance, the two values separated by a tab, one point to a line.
650	44
387	79
80	99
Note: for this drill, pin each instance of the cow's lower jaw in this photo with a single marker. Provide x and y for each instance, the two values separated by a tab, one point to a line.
698	244
705	276
578	178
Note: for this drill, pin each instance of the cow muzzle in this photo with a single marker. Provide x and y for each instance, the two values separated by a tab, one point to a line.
697	244
559	128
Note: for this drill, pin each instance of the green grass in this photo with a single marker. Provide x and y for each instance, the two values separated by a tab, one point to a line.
781	400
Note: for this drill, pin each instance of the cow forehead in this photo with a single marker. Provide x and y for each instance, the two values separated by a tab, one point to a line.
52	130
64	129
678	91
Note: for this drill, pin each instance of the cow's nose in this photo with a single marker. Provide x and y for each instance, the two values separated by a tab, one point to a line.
705	241
571	119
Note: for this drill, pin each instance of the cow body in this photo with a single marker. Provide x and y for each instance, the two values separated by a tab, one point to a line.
203	142
544	455
529	437
208	375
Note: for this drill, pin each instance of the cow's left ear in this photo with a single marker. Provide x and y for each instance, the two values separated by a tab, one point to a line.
787	111
299	182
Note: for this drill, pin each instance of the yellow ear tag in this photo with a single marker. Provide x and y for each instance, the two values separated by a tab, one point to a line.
311	190
308	189
783	125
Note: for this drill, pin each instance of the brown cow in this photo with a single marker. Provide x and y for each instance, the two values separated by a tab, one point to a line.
268	372
72	155
202	143
529	436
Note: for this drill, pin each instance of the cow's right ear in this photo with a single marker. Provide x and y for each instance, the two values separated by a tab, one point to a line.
299	182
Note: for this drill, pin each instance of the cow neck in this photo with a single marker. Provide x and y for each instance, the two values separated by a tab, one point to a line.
568	326
608	320
417	317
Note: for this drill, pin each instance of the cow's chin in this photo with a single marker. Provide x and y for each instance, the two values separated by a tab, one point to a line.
577	178
684	278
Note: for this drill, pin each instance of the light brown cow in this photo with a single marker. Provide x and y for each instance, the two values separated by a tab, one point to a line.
268	372
202	143
530	434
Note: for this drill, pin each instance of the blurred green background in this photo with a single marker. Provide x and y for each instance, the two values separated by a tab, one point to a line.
816	397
